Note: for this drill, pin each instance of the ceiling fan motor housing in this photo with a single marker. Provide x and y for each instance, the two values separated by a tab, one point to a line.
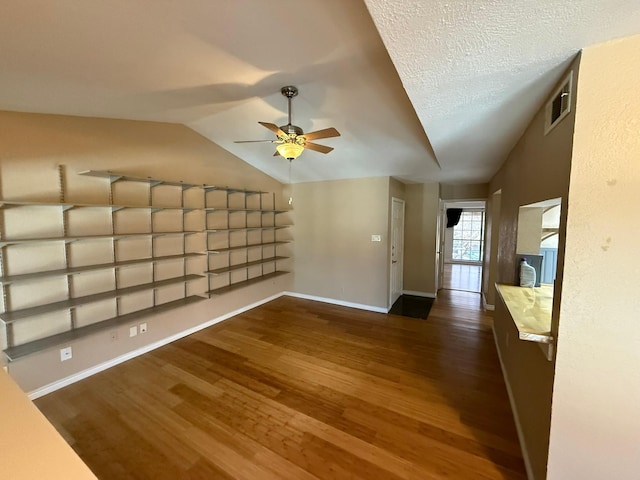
291	130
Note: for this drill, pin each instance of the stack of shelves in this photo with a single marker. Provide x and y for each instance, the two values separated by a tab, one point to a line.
242	241
62	294
32	318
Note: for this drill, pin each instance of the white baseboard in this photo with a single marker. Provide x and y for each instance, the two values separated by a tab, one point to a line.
419	294
485	305
333	301
52	387
516	417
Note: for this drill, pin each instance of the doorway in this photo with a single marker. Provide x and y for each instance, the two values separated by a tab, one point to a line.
397	250
462	244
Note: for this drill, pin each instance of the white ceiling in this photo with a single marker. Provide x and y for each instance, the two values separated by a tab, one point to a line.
474	72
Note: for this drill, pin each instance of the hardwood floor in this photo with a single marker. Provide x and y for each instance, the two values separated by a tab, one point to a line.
460	276
297	389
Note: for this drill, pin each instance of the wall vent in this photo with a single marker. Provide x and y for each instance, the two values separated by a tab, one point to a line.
559	105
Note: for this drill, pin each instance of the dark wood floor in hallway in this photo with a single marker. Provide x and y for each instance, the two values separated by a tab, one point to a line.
297	389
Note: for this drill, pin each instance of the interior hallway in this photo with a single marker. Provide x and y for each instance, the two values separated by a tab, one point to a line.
458	276
297	389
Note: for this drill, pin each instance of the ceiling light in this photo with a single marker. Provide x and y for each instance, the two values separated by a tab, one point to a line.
290	150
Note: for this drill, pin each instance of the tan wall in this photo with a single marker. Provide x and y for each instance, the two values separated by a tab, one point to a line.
595	425
335	257
421	219
536	169
529	230
472	191
31	149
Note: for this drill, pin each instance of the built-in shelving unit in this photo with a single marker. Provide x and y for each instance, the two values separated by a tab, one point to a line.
239	248
242	242
43	310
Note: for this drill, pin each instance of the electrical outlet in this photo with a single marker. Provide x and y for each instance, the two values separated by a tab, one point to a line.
376	238
66	354
133	331
143	328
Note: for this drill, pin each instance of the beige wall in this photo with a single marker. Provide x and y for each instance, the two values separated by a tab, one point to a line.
595	425
421	222
31	149
529	230
335	257
472	191
536	169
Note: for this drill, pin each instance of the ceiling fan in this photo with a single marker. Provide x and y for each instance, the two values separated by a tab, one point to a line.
291	139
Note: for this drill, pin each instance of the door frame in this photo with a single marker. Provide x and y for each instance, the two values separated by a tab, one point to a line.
399	262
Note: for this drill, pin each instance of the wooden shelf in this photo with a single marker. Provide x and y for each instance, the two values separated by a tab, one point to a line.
245	247
99	266
116	177
16	352
69	206
15	315
231	190
241	266
245	229
245	283
248	210
68	239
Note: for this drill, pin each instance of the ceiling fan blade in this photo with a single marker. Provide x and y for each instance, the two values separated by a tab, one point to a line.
256	141
277	154
317	148
275	129
326	133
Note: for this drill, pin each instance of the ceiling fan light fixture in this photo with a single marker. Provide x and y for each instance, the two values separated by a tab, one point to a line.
290	150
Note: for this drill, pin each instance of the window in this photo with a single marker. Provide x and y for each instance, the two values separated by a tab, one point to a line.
468	237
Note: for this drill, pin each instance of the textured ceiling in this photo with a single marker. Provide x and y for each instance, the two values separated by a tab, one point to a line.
477	71
474	73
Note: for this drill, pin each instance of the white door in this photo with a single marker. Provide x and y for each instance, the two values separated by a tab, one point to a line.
397	249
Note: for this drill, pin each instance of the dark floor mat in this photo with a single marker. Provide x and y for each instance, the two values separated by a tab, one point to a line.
412	306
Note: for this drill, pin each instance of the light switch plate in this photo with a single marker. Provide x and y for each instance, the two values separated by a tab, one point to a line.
133	331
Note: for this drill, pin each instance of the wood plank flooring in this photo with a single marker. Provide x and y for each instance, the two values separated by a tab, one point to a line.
460	276
297	389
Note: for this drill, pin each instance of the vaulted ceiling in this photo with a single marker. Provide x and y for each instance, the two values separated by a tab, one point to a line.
422	90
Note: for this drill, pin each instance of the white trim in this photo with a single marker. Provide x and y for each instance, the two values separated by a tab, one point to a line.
342	303
52	387
419	294
485	305
514	410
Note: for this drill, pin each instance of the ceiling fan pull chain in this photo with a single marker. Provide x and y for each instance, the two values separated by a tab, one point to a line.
290	186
